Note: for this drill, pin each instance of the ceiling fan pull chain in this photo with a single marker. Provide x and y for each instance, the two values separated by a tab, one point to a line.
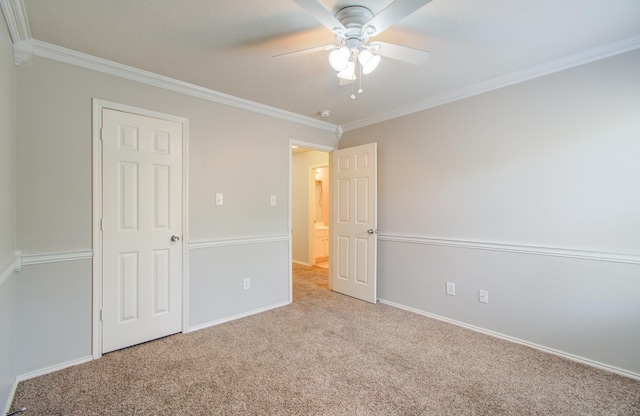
353	94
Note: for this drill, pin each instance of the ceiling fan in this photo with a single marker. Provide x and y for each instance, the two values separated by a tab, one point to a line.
353	26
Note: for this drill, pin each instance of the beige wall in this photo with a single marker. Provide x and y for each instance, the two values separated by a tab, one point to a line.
7	217
553	163
7	148
238	153
241	154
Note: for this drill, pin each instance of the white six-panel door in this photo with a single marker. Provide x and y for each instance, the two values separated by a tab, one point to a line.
354	223
142	229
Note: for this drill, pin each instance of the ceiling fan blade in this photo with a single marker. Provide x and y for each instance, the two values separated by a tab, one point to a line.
391	14
400	53
305	51
322	15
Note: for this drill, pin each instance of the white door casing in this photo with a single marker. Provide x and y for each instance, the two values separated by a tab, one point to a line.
354	221
142	280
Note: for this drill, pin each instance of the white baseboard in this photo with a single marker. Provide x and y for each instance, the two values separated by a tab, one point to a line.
238	316
53	368
302	263
542	348
11	395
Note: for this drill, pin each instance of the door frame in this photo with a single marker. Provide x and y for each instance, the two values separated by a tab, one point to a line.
312	210
312	146
97	106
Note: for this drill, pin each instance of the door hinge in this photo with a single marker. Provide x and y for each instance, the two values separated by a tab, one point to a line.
100	315
101	226
101	133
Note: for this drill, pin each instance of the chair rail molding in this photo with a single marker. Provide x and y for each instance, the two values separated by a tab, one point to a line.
29	259
13	266
197	245
633	258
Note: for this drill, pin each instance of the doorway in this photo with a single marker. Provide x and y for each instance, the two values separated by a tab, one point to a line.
352	254
309	205
309	214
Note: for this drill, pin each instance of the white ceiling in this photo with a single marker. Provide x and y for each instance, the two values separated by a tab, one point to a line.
227	46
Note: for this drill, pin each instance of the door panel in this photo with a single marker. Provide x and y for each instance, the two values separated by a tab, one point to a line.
354	240
142	210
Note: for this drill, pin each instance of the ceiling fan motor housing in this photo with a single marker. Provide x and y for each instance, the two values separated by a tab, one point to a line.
353	18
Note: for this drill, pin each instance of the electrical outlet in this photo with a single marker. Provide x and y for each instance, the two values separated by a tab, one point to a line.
483	296
246	283
451	289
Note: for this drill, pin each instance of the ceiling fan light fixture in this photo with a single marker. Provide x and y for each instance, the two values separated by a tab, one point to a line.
349	73
339	58
368	61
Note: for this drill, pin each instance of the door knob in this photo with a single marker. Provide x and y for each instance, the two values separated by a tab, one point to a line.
370	231
175	238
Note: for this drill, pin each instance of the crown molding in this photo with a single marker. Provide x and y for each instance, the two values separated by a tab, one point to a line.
15	14
545	68
71	57
23	51
24	48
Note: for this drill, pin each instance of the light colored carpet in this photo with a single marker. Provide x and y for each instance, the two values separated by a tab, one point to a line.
328	354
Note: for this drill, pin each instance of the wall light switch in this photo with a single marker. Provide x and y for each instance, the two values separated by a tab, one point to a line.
246	283
451	289
219	199
483	296
274	201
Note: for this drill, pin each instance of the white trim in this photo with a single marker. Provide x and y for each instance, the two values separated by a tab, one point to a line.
632	258
12	394
13	266
22	51
29	259
97	106
542	348
238	316
68	56
198	245
15	14
185	224
310	145
301	263
53	368
96	196
526	74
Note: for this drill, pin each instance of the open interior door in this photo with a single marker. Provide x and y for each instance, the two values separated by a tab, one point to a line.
354	221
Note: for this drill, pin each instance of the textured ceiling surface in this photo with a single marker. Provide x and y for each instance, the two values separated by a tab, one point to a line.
228	45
